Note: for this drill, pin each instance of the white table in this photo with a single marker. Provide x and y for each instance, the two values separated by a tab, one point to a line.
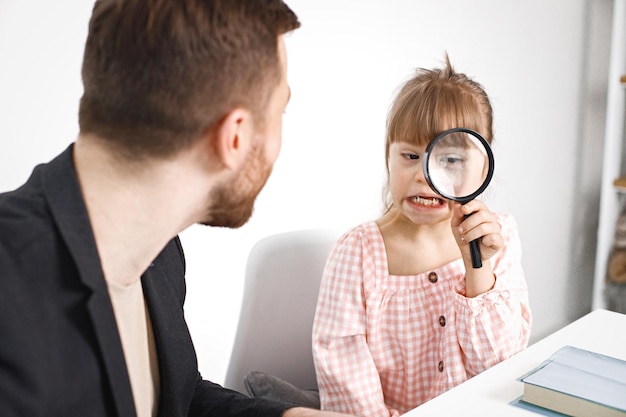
491	392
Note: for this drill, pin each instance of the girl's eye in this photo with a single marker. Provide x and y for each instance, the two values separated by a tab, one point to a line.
450	162
453	160
411	156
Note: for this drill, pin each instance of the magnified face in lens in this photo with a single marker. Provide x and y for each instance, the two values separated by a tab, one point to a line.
458	165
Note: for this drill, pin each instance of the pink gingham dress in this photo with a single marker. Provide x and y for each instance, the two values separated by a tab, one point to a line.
384	344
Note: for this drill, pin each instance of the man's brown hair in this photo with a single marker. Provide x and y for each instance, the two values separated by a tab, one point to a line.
158	73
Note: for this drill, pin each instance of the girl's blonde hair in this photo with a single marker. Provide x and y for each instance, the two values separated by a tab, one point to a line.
432	101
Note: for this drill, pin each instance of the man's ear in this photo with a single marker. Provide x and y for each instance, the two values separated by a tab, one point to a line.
232	137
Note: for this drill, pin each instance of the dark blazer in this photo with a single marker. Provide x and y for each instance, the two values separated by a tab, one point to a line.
60	351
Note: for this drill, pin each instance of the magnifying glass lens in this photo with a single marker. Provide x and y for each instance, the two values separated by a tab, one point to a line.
458	165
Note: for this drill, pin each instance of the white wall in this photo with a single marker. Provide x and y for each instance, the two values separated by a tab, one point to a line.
544	64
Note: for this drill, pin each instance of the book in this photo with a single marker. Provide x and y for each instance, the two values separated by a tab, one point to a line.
519	403
578	383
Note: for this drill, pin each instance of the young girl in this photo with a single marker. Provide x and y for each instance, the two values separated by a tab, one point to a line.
402	315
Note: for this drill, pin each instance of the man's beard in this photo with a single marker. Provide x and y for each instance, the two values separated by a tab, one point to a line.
232	204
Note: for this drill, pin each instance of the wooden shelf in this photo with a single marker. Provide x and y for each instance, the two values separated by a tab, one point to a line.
620	184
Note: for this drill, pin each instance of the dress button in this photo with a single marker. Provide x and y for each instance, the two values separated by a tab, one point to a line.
440	366
442	321
432	277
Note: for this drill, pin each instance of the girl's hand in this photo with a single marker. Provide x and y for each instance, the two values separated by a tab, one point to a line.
481	225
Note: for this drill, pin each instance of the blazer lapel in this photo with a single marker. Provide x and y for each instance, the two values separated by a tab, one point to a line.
164	287
62	191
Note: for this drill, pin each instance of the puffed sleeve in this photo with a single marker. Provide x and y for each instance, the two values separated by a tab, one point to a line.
495	325
347	377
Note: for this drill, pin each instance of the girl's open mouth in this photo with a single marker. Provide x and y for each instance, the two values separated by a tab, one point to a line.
427	201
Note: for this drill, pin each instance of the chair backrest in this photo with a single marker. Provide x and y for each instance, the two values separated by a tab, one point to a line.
283	274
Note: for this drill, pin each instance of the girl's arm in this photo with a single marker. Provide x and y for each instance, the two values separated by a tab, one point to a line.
346	374
496	324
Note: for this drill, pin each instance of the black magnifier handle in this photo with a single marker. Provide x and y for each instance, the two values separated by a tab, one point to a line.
477	261
476	257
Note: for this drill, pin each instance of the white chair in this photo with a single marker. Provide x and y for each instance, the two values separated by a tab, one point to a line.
282	281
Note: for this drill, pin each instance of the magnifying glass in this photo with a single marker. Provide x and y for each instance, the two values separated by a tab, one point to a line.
458	165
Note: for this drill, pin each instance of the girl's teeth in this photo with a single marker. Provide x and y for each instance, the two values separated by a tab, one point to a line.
426	201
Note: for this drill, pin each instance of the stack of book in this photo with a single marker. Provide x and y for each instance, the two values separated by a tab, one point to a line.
578	383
